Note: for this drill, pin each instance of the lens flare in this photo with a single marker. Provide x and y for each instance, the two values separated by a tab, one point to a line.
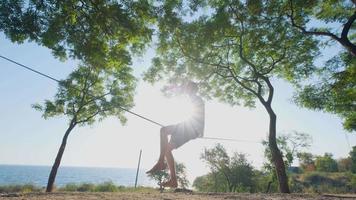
183	109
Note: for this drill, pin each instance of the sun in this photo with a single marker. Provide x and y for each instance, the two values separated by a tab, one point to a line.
183	108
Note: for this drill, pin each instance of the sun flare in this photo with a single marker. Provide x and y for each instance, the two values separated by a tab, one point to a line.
183	108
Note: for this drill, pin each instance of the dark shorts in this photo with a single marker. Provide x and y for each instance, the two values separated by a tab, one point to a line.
181	134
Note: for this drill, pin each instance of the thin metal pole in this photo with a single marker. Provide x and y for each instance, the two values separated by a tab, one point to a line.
138	167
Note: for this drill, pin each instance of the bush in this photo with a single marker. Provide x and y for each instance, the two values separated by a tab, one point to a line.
327	182
19	188
86	187
70	187
106	187
102	187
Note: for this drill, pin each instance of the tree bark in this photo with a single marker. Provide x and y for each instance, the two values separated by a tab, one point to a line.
268	187
276	154
57	162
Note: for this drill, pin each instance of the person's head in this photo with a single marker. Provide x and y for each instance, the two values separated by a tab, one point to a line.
191	88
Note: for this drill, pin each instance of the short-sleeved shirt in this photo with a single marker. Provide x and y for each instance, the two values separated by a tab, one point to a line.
191	128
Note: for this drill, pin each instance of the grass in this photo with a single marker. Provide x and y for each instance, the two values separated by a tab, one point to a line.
73	187
325	182
102	187
27	188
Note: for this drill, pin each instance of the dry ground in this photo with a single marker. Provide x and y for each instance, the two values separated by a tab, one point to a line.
165	196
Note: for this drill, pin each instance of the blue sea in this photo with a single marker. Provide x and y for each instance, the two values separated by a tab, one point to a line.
38	175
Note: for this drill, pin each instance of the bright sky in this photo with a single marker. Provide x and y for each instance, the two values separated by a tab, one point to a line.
26	138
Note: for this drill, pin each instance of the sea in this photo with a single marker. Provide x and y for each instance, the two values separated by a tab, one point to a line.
38	175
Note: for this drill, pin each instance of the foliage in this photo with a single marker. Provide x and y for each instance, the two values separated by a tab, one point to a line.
181	172
327	13
306	161
323	182
291	145
163	176
353	159
344	165
26	188
234	50
106	187
99	33
335	89
102	187
211	182
88	95
335	92
208	49
160	176
236	171
326	163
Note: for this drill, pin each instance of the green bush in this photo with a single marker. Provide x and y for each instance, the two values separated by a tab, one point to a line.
327	182
106	187
102	187
19	188
86	187
70	187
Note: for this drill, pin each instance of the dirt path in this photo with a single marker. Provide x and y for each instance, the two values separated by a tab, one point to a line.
163	196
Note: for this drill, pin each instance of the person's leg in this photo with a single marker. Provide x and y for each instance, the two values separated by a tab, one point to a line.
172	182
164	132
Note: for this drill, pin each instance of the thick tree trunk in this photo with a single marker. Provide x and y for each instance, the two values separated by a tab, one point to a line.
57	162
276	154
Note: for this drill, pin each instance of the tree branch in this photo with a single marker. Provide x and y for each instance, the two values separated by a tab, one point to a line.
304	31
343	40
345	32
271	89
84	92
90	117
274	63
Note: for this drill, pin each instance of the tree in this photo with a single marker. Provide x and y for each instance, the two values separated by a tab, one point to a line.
218	161
163	176
236	171
181	172
159	176
99	33
326	163
353	159
343	12
211	182
335	88
344	164
291	144
235	50
306	161
242	173
86	96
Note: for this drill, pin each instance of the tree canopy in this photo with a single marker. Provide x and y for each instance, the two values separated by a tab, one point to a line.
99	33
88	95
325	13
331	22
234	49
234	173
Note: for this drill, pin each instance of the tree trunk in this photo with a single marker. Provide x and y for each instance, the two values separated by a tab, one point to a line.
268	186
57	162
276	154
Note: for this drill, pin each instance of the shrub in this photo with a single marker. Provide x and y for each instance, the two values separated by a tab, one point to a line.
106	187
86	187
19	188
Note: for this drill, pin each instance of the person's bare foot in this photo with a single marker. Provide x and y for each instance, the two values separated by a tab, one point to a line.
171	184
157	167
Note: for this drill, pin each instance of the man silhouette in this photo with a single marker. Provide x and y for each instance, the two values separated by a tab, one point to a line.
180	134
